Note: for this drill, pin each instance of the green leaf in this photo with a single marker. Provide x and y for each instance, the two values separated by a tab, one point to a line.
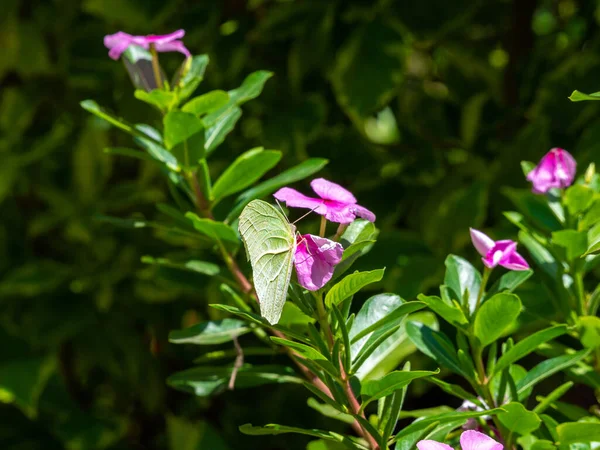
93	107
158	152
351	284
218	231
184	137
463	279
578	96
527	166
547	368
534	207
163	100
327	445
528	345
192	74
329	411
389	316
210	333
578	432
574	242
589	331
205	381
434	344
274	429
495	317
518	420
593	238
202	267
244	171
578	198
591	218
309	353
251	87
509	281
296	173
449	312
374	389
206	103
217	131
23	380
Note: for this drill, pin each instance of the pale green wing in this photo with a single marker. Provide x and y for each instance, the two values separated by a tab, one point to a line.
270	243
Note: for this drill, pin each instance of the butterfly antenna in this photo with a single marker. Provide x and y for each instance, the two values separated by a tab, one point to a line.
300	218
282	211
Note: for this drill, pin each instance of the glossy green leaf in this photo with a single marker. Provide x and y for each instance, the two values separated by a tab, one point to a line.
495	317
374	389
578	198
217	231
534	207
574	242
184	137
578	432
329	411
547	368
578	96
449	312
274	429
93	107
593	238
528	345
590	331
206	103
463	279
509	281
393	315
434	344
210	333
518	420
590	218
163	100
251	87
289	176
244	171
205	381
217	131
351	284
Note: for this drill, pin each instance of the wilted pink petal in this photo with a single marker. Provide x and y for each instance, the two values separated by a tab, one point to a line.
331	191
295	199
556	170
432	445
481	241
336	203
119	42
474	440
315	260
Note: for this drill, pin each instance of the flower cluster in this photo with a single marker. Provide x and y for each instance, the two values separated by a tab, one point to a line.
316	257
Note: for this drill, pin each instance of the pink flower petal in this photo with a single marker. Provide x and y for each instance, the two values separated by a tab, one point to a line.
555	170
119	42
295	199
514	261
482	242
163	38
474	440
315	260
331	191
432	445
362	212
175	46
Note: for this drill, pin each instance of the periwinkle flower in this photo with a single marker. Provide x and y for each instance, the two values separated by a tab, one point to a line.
469	440
315	260
335	203
555	170
503	253
119	42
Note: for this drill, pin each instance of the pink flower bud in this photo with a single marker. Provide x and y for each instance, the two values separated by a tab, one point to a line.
556	170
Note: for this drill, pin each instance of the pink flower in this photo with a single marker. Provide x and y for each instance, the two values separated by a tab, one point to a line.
335	203
495	253
555	170
315	259
119	42
469	440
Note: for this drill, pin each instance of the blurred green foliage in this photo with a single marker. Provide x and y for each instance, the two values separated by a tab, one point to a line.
423	109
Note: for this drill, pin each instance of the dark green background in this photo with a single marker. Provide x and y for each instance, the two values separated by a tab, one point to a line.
474	86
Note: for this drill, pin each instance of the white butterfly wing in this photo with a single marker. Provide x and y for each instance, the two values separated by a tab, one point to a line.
270	243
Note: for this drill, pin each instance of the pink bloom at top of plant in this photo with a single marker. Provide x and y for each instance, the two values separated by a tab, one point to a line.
119	42
335	203
495	253
469	440
315	260
556	170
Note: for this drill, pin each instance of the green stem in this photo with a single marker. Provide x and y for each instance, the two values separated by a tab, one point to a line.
323	226
322	317
581	306
486	276
156	67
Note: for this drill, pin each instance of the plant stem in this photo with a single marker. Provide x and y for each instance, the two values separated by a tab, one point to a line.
323	226
322	316
486	276
156	67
